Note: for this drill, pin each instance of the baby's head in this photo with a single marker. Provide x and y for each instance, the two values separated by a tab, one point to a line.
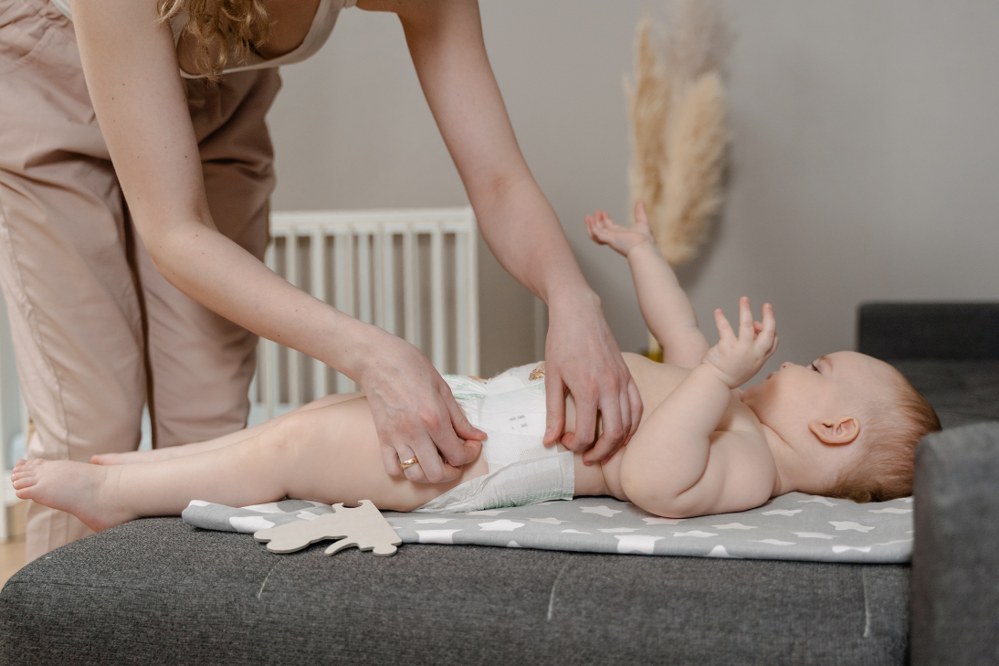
884	468
858	416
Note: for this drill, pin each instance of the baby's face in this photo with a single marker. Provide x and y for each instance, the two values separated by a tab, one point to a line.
832	386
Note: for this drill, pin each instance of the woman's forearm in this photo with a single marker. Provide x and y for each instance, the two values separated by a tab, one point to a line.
132	76
521	229
517	221
223	277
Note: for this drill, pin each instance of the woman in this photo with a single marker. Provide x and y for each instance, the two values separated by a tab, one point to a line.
134	217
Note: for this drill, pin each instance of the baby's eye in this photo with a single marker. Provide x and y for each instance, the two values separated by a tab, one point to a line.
814	366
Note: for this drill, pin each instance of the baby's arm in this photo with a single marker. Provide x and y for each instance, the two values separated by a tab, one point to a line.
665	307
686	460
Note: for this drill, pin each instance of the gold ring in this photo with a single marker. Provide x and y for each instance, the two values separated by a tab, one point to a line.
406	464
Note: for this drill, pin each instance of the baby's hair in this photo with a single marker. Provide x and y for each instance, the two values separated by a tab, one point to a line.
225	30
891	431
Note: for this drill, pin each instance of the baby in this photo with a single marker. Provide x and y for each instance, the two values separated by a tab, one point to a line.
845	425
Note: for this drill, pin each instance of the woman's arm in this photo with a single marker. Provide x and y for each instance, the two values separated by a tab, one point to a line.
518	223
131	69
664	304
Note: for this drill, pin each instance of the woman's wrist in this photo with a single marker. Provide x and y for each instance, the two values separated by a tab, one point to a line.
571	299
353	345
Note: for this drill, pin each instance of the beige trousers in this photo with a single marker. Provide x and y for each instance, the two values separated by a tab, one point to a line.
97	331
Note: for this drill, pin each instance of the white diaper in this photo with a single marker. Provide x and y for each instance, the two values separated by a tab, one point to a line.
510	408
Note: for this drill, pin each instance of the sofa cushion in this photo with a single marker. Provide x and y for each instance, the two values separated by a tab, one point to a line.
157	590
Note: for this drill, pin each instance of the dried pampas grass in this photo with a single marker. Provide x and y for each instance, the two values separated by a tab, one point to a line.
648	108
678	129
696	137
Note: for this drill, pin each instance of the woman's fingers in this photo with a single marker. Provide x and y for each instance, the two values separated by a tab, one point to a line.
554	406
423	432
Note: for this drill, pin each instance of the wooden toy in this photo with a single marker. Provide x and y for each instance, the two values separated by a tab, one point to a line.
362	526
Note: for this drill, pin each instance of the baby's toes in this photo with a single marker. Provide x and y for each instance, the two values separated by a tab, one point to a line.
24	473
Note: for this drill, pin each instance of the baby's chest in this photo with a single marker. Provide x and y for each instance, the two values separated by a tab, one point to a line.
739	418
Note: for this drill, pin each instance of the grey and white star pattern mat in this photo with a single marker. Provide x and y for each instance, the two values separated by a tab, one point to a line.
795	526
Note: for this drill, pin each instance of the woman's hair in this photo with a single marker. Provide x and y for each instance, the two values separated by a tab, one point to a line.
892	429
226	31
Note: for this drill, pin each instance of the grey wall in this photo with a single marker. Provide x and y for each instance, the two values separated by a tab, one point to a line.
864	165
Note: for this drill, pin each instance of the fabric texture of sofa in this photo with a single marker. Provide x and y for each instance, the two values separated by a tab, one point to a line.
158	591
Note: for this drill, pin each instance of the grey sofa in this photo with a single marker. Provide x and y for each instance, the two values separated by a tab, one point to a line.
158	591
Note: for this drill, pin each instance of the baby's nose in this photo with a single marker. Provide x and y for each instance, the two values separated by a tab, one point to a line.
786	364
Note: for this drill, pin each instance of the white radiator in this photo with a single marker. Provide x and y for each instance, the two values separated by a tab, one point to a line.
410	272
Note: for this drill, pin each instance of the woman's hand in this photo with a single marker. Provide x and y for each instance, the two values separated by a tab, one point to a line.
582	359
417	417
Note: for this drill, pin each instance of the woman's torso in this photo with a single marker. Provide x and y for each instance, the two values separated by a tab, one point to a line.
298	29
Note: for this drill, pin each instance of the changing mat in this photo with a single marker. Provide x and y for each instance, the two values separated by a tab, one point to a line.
795	526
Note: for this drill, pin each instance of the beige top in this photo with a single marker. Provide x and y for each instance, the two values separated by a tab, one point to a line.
319	32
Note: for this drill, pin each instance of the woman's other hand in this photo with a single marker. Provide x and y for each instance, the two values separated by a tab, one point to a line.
582	359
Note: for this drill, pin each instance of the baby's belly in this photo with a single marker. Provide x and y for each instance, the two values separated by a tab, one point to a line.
654	382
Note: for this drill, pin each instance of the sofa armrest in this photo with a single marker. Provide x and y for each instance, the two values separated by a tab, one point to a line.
955	561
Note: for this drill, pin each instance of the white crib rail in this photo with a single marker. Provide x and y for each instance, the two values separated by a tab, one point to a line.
411	272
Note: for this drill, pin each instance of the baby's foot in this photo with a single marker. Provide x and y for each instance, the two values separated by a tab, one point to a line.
75	487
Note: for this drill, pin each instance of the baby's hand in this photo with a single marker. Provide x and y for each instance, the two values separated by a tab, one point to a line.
605	231
737	359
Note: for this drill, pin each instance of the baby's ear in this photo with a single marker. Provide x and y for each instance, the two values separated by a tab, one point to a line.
836	432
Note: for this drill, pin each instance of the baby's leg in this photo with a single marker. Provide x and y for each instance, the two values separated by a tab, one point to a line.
170	452
328	454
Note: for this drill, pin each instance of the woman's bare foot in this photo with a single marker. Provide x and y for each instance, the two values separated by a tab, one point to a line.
75	487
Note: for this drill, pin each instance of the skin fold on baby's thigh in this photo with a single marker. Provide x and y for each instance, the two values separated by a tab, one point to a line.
337	458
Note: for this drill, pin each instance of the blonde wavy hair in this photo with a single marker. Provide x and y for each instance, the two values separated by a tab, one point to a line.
226	31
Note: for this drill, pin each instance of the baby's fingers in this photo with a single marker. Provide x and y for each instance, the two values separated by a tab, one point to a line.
746	328
599	226
593	230
766	338
725	331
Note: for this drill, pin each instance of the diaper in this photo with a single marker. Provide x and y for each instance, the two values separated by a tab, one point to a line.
529	481
510	409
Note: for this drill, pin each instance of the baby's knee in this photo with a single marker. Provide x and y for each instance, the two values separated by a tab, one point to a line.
296	432
283	436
